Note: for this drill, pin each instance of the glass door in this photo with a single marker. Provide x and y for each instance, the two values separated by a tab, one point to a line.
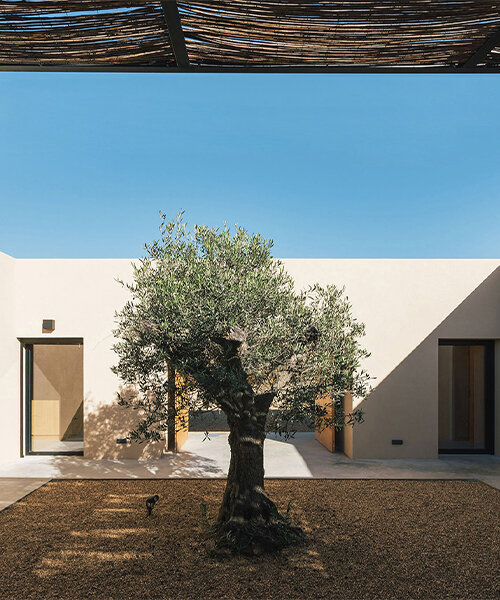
465	396
54	396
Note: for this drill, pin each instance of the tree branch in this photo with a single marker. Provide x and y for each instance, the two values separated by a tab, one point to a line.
263	401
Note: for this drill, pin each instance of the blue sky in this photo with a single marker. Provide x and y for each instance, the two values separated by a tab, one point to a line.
326	165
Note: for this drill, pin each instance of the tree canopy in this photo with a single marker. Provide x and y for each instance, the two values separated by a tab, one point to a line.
214	305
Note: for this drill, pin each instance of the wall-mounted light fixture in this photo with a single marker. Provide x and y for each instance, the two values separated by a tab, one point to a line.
48	325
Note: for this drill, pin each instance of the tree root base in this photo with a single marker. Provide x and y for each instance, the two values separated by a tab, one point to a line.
256	538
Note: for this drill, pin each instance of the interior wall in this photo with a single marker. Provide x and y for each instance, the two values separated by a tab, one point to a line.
445	392
477	366
461	374
462	396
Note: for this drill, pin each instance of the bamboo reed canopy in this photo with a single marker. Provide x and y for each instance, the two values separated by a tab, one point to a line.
250	35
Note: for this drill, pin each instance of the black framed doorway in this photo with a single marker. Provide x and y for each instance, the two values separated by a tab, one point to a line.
466	396
52	399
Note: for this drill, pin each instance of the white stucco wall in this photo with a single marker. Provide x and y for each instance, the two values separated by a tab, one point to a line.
81	296
407	305
9	363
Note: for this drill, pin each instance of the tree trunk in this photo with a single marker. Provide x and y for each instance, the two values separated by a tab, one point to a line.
249	521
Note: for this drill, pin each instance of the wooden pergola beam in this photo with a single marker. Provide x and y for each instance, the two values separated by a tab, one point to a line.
482	52
175	32
246	36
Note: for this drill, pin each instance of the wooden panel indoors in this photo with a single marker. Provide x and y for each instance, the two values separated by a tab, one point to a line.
250	35
45	419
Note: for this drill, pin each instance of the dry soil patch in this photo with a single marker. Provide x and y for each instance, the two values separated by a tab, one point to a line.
367	539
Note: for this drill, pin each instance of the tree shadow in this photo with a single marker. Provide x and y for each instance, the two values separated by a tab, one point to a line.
107	428
109	453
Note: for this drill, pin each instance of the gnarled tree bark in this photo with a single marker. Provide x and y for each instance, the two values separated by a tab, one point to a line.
249	522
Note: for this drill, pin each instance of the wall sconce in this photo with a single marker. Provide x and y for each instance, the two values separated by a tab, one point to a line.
48	325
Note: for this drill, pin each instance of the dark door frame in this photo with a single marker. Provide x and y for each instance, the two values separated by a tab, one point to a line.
27	394
489	393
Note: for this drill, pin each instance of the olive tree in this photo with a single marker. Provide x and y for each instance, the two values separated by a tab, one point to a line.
213	304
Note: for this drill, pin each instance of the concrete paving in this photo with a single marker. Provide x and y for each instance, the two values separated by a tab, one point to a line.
13	489
301	457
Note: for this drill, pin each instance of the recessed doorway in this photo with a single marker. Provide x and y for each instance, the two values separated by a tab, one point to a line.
54	397
466	396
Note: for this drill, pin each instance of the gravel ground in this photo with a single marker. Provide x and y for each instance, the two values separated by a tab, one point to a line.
367	539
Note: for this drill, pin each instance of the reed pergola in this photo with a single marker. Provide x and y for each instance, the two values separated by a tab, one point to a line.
250	36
